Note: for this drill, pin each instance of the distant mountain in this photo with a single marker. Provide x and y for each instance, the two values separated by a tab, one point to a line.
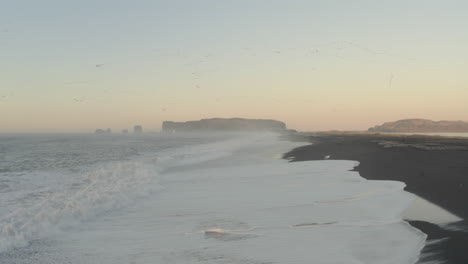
224	124
422	126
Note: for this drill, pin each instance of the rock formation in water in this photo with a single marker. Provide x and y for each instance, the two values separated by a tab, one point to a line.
102	131
224	124
137	129
422	126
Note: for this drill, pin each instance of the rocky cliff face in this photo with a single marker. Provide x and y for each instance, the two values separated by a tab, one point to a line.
422	126
224	124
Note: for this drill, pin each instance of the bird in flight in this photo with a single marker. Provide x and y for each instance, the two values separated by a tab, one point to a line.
78	100
390	80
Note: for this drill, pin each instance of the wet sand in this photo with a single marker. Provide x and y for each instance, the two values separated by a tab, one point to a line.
434	168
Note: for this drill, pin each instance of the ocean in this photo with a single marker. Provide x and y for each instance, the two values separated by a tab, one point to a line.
194	198
433	134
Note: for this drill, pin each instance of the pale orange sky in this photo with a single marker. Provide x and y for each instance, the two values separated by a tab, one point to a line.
316	65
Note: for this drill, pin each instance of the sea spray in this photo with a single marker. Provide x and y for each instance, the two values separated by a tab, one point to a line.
107	188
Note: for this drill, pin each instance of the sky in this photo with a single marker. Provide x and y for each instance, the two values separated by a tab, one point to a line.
75	66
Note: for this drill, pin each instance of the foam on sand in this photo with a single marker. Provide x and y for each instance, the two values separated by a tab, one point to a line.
424	210
303	212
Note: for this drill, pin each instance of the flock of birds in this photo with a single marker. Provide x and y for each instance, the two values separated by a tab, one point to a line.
4	36
197	63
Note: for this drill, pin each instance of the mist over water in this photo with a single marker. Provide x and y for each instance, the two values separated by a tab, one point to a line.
49	183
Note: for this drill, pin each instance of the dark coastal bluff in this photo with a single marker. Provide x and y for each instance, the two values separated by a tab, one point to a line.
422	126
224	124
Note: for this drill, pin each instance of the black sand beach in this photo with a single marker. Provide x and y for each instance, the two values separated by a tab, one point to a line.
434	168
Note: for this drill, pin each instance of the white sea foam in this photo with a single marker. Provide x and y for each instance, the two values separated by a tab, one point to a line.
264	209
424	210
44	203
110	187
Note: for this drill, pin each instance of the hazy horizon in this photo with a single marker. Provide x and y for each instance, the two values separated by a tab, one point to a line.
315	65
157	129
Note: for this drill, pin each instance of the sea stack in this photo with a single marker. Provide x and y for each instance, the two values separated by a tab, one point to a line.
103	131
137	129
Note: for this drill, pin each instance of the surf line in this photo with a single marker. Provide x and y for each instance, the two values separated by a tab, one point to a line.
220	231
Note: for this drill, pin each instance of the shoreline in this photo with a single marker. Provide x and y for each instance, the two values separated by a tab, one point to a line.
434	168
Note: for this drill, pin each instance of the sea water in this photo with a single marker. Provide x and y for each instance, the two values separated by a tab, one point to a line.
441	134
192	199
